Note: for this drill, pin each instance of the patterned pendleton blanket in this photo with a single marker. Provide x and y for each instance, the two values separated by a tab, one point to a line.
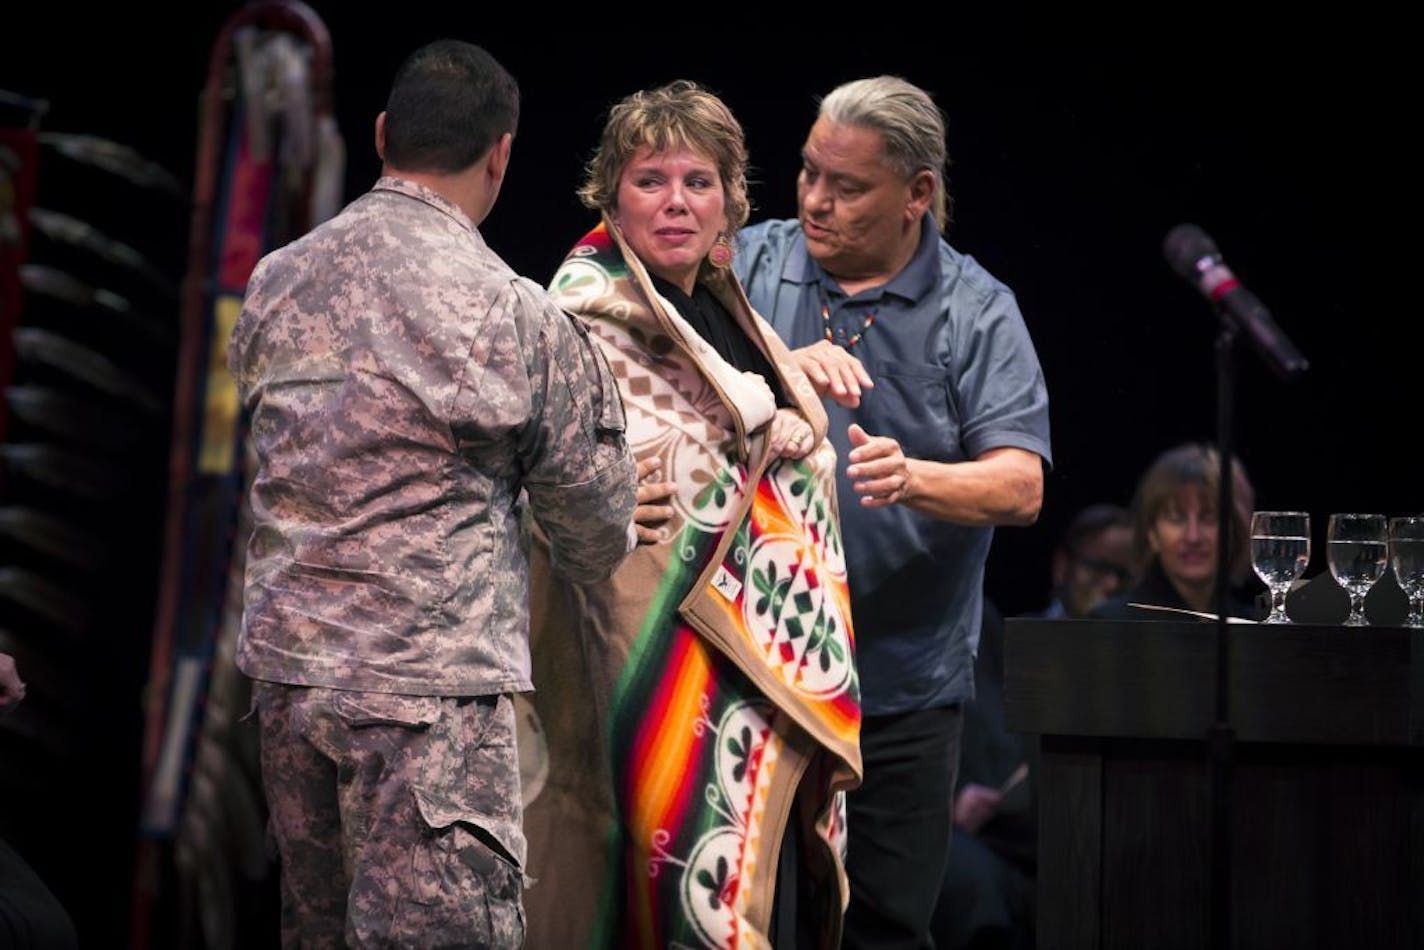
688	701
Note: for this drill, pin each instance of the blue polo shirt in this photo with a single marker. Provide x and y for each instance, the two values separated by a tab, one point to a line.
955	376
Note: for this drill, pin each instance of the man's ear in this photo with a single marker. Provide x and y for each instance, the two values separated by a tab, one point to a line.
381	136
499	156
922	189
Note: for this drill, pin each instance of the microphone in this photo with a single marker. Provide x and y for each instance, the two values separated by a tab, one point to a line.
1193	255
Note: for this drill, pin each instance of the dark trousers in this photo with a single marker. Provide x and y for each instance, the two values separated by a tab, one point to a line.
899	822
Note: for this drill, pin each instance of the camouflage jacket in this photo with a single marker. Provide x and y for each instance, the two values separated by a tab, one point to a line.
404	387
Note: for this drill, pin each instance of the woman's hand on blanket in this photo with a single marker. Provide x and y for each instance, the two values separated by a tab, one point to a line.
790	435
651	515
834	372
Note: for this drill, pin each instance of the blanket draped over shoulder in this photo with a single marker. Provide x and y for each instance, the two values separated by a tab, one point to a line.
684	705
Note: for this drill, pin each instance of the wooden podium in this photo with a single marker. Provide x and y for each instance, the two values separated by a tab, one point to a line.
1326	785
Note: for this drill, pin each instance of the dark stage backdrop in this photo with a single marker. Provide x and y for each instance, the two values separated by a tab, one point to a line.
1073	154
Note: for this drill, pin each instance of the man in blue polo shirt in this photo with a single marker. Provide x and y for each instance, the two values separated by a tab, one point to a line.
940	414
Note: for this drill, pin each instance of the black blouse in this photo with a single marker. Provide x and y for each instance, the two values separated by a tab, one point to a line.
705	314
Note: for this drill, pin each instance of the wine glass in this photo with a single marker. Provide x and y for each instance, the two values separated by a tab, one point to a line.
1280	551
1357	555
1406	555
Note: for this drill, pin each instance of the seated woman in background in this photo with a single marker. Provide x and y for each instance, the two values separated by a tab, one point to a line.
1176	530
699	711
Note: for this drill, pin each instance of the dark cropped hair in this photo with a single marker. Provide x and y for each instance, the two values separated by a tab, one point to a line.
450	101
1092	521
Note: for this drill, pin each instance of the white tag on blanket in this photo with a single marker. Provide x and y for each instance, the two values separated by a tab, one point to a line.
726	583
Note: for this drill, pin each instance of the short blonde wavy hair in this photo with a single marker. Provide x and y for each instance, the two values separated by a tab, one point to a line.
680	114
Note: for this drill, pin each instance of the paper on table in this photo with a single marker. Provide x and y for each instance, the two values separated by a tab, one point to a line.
1194	613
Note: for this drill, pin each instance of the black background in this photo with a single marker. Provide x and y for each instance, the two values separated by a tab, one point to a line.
1075	146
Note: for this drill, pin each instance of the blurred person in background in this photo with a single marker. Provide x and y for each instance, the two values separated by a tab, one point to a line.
1176	531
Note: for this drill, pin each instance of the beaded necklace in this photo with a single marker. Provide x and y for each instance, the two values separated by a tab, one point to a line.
826	323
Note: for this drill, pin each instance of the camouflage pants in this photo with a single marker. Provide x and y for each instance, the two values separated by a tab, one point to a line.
397	818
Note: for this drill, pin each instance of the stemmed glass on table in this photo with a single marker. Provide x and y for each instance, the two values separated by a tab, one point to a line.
1406	556
1358	555
1280	551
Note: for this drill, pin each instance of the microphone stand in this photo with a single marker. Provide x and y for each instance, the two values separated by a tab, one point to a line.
1221	736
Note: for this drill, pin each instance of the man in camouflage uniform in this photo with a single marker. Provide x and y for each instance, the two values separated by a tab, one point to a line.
404	386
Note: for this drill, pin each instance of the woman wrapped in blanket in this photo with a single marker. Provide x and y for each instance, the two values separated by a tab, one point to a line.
700	711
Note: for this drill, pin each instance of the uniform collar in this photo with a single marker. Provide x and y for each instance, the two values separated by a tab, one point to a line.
423	194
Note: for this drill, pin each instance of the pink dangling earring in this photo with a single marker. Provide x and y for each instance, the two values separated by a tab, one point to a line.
720	256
